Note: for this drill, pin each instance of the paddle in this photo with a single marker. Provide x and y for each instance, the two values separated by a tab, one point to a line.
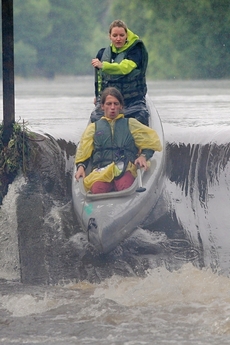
140	189
96	82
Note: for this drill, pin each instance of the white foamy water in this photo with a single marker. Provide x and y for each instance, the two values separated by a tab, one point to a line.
188	306
183	307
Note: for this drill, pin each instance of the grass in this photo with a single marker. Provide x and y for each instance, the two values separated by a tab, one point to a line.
14	156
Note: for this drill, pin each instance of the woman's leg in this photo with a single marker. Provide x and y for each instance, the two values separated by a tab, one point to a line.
124	182
101	187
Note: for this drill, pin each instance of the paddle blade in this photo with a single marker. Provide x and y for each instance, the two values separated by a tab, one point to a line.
140	189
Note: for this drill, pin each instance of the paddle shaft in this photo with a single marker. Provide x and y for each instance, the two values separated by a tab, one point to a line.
140	188
96	82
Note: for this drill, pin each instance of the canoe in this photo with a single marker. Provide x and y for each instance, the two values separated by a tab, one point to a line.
109	218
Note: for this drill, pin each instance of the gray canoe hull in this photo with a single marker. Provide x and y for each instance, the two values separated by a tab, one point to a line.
110	218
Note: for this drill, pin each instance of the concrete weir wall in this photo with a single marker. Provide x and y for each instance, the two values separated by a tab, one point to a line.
45	178
31	237
41	241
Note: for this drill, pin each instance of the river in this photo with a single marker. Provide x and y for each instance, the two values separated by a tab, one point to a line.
182	298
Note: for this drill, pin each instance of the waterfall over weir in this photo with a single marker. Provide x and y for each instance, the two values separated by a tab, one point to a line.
41	241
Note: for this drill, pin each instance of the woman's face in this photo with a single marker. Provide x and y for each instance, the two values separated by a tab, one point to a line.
111	107
118	37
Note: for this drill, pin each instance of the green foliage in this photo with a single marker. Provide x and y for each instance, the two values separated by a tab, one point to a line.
31	24
24	67
67	38
184	38
15	154
58	37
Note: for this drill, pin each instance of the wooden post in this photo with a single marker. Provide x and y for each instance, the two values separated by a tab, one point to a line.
8	69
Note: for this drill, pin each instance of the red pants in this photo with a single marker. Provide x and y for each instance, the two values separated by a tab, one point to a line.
120	184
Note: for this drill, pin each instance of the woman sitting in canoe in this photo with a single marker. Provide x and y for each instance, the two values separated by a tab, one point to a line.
122	65
115	145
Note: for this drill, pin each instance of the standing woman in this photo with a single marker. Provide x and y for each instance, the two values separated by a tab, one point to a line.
122	65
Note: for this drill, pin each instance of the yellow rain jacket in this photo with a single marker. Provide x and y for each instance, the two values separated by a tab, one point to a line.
144	137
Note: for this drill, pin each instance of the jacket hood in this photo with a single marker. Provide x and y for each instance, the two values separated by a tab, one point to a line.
131	38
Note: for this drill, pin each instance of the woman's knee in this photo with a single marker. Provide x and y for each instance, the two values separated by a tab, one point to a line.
101	187
124	182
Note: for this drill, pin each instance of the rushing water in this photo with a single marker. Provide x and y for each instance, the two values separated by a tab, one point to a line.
189	305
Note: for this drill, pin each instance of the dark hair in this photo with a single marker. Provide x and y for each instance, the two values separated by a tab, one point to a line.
112	91
118	23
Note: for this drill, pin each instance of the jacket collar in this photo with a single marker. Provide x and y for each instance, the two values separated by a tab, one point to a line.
110	120
131	38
